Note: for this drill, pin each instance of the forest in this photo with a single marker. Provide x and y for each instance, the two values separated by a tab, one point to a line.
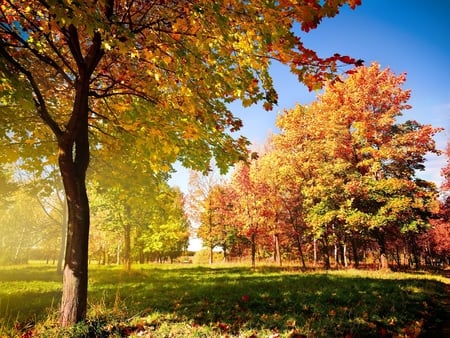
100	100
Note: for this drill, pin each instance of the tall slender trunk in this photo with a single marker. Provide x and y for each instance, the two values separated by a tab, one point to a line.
118	251
253	248
225	252
211	254
383	252
300	251
73	160
19	246
315	251
326	252
355	251
344	254
414	251
127	246
277	252
336	254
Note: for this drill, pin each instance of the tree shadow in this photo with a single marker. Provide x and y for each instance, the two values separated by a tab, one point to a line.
232	299
241	298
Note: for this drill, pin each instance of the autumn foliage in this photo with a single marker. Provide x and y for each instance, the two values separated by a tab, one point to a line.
78	77
340	182
437	240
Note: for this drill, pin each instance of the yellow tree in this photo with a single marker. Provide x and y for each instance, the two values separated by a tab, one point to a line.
201	205
281	198
162	68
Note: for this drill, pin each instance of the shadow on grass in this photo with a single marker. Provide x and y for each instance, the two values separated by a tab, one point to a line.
27	294
236	299
239	298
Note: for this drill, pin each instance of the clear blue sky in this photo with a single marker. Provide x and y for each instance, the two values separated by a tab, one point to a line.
408	36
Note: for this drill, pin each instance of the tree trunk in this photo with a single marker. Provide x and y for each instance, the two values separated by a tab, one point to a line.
19	246
211	254
344	254
300	251
326	253
414	251
75	273
253	248
315	252
355	251
118	250
383	253
336	255
73	160
127	247
225	253
277	252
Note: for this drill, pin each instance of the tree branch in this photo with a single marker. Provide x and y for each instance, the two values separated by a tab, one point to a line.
39	99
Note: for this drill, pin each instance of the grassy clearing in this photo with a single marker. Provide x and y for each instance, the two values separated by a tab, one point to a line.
203	301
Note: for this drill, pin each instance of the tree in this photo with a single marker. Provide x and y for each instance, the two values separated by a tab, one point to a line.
216	226
202	205
167	233
127	189
284	200
165	69
248	217
359	163
268	190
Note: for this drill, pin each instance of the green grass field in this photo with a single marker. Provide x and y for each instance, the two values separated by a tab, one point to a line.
221	301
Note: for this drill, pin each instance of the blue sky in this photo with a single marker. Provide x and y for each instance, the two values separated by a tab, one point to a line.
408	36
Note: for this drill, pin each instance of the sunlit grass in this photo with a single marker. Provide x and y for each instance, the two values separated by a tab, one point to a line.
186	300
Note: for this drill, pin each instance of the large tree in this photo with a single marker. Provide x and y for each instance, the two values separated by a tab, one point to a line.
163	68
360	161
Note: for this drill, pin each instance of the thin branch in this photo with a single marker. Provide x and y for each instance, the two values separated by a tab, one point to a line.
24	44
46	211
39	99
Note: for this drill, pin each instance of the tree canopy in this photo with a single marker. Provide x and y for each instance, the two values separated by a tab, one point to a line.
73	72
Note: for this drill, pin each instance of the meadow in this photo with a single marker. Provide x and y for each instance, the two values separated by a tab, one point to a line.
226	301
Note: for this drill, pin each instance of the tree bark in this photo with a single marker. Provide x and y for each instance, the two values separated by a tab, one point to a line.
19	247
73	160
277	252
75	272
315	252
300	250
127	246
355	251
211	254
326	253
253	249
383	252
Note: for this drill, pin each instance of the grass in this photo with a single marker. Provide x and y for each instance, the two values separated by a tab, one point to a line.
219	301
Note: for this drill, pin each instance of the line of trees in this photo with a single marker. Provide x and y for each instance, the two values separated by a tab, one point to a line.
338	184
